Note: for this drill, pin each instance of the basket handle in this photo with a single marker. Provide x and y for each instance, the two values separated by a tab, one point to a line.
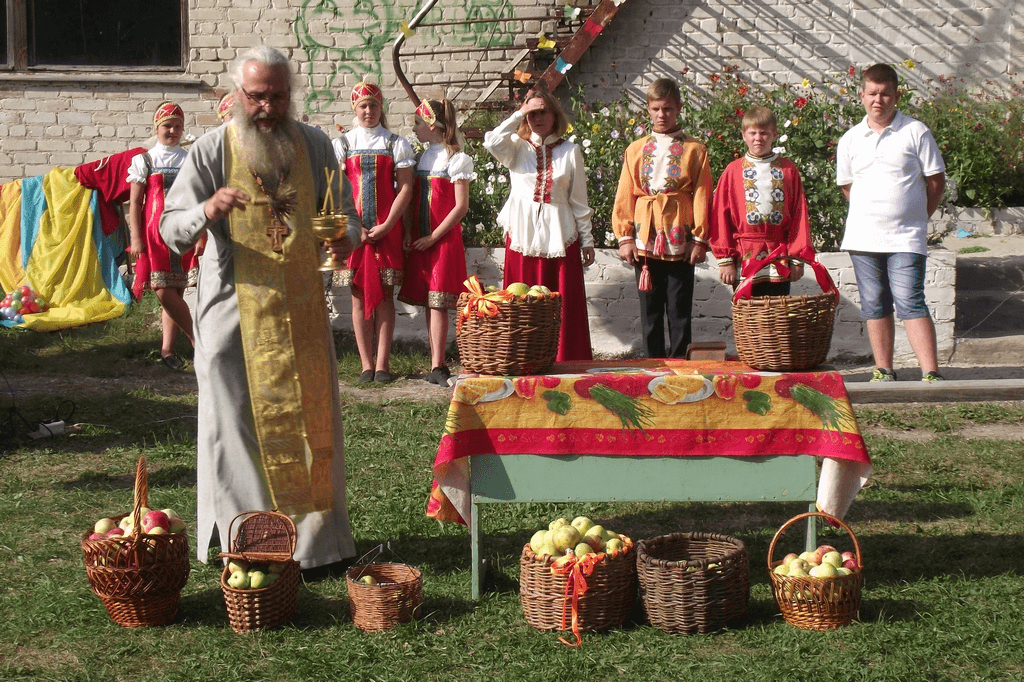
778	257
140	496
800	517
241	516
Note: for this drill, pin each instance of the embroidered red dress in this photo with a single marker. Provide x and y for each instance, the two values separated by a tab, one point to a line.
158	267
546	222
434	277
370	157
758	205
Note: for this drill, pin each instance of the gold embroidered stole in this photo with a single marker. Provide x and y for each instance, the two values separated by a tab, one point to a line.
285	339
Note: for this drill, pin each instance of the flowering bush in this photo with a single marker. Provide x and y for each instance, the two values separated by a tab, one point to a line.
981	137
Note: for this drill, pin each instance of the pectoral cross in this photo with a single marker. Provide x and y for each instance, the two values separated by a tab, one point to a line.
278	232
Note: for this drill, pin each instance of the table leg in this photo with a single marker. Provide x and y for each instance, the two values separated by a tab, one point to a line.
477	578
811	542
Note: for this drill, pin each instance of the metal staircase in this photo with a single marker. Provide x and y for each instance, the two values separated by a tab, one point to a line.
505	71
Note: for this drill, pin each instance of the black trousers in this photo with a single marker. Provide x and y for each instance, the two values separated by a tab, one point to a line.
671	296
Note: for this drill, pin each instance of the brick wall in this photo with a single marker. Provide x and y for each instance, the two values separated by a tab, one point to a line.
63	119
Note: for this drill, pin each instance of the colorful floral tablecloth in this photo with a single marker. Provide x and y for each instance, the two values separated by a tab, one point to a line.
652	408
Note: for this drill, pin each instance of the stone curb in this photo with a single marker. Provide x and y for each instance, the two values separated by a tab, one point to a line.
948	391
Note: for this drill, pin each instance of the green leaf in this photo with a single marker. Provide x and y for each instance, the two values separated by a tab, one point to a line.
758	402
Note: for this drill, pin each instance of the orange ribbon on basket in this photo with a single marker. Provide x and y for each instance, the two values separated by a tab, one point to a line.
578	569
480	303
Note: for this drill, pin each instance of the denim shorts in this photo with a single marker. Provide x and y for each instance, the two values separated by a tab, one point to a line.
885	279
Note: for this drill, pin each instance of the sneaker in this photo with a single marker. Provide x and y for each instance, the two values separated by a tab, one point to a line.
882	374
933	376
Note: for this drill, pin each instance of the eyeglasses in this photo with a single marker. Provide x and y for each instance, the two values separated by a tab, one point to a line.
262	98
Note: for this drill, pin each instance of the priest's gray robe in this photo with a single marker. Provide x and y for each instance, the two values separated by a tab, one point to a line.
229	480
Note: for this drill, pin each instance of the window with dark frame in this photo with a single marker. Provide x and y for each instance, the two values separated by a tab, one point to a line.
92	33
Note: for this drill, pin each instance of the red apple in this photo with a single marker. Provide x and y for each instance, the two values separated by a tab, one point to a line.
849	555
96	536
788	558
155	519
114	532
851	564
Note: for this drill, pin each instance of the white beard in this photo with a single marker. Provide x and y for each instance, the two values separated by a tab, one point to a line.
268	153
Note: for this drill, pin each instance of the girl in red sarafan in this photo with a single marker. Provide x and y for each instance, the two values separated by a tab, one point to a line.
379	164
759	205
156	267
436	263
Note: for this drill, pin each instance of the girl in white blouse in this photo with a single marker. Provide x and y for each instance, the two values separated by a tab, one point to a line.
546	220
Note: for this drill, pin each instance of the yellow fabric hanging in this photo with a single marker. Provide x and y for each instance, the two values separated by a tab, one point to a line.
64	265
11	272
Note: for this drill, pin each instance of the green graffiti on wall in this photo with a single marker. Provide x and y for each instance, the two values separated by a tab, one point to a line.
354	37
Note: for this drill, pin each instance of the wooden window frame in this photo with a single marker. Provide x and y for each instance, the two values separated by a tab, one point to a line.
17	49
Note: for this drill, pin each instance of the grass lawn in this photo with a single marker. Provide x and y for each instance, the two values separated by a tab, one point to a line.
941	527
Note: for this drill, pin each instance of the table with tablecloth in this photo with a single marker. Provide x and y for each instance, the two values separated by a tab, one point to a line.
651	408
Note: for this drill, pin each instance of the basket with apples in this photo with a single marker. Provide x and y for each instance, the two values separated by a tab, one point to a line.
577	576
260	581
137	563
382	594
693	582
817	590
513	331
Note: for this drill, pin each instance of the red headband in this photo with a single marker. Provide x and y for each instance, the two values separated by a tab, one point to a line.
166	112
425	112
366	91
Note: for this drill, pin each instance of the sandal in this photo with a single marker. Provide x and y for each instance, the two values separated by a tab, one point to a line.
172	361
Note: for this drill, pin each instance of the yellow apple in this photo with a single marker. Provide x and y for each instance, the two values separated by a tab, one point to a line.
239	580
538	540
518	289
565	537
368	580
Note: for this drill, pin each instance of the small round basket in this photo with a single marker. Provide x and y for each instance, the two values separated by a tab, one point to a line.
607	603
785	333
681	593
816	603
522	338
262	538
395	597
139	577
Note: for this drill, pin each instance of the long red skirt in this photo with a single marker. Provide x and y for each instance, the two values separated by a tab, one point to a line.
564	275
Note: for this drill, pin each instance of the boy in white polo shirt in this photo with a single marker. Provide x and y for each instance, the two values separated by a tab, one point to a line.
891	170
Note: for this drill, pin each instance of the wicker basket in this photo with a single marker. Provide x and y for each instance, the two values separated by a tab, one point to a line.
680	593
138	577
816	603
394	598
262	537
521	339
607	603
785	333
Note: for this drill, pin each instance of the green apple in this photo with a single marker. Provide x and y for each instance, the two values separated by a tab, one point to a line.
565	537
558	523
538	539
157	530
368	580
518	289
583	548
171	514
239	580
258	579
614	546
781	569
596	530
823	570
811	557
236	565
176	525
843	570
104	526
797	570
582	524
547	549
833	557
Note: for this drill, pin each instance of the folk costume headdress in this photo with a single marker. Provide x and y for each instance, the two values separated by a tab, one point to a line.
427	113
363	91
168	111
224	108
